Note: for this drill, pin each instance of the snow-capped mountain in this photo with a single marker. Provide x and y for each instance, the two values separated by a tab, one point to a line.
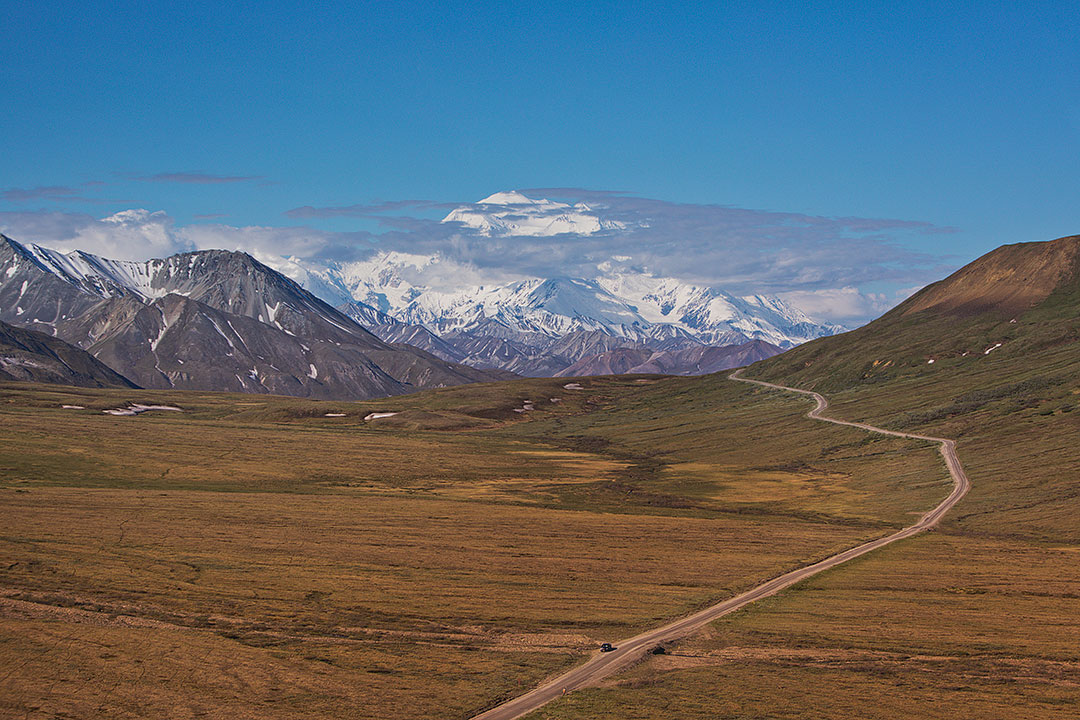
634	306
512	213
209	320
539	326
447	298
714	316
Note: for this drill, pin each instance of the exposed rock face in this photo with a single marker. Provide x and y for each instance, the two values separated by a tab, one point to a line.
211	320
36	357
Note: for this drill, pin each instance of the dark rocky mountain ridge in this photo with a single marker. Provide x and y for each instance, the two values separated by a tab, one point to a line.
32	356
210	320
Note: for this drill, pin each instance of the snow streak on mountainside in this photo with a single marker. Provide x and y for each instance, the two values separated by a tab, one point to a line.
210	320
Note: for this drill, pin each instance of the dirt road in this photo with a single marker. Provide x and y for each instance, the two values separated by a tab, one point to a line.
629	651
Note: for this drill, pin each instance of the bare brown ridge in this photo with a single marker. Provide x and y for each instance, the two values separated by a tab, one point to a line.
630	650
1010	279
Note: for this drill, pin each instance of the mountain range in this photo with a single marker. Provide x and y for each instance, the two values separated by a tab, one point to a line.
542	326
389	324
210	320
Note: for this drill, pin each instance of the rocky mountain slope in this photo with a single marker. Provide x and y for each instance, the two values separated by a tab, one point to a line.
36	357
212	320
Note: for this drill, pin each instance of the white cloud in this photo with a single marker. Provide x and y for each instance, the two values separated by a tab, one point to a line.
818	263
845	305
268	240
139	234
128	235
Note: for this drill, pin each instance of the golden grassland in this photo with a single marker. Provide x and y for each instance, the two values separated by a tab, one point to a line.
251	557
979	619
941	626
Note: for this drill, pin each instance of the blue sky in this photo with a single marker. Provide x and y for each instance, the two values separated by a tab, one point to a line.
964	117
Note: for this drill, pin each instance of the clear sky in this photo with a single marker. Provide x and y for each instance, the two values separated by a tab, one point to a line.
961	116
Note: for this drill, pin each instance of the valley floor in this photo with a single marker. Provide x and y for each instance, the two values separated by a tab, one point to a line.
939	626
252	557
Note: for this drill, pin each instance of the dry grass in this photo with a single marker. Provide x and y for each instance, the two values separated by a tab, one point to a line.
977	620
251	557
938	626
425	587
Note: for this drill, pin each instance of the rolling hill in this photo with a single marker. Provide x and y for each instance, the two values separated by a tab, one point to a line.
974	620
999	313
990	356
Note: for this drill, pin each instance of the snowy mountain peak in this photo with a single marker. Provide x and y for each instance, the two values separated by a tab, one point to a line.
513	213
413	289
511	197
100	276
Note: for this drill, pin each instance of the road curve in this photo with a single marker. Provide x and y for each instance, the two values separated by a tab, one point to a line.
629	651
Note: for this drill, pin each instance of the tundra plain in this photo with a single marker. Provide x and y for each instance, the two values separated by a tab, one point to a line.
252	557
976	620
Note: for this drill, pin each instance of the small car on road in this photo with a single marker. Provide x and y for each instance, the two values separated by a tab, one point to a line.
606	647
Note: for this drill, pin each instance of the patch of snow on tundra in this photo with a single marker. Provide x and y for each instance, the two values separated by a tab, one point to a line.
137	409
377	415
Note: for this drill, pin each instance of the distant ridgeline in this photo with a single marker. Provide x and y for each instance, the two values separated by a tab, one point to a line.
218	320
210	320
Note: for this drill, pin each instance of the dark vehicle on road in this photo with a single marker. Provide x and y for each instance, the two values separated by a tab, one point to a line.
607	647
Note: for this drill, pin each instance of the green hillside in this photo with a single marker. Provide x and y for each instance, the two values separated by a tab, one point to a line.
989	356
975	620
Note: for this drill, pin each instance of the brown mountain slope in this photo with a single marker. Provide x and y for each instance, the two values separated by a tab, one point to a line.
1011	279
30	355
1013	303
176	342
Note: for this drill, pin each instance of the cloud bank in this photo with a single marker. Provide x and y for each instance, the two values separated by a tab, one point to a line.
818	263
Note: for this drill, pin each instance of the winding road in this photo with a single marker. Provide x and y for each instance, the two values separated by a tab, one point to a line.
629	651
